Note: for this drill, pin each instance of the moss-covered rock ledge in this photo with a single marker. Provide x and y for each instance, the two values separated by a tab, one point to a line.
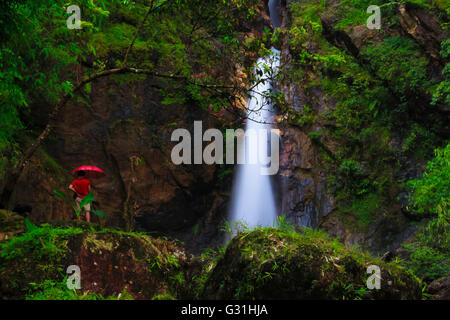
265	263
34	264
278	264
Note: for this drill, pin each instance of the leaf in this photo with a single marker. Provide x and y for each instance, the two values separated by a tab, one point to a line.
99	213
30	227
64	197
61	195
88	199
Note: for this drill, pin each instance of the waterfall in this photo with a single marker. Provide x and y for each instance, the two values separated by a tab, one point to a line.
253	201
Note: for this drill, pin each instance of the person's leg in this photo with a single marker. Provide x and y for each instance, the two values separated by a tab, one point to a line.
78	207
87	208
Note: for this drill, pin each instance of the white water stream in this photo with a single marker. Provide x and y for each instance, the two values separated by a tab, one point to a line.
253	201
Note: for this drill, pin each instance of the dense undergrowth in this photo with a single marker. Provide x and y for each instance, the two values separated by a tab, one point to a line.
430	251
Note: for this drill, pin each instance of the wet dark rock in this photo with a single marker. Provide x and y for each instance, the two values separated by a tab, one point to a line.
423	27
387	256
440	289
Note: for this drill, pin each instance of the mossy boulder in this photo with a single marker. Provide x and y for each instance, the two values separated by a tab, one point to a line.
275	264
110	262
11	223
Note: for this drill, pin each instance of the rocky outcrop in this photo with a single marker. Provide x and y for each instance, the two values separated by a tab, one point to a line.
263	264
275	264
440	289
423	27
110	262
304	197
10	224
124	131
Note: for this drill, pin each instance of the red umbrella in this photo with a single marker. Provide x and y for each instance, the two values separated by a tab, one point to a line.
91	171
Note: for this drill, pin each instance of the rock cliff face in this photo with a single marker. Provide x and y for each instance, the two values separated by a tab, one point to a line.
305	196
126	131
122	126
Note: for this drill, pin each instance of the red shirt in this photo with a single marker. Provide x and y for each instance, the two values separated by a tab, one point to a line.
82	187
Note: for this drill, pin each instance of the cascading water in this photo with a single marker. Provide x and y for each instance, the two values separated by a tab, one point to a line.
253	201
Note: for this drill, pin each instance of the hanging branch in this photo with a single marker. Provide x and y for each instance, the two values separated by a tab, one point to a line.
150	10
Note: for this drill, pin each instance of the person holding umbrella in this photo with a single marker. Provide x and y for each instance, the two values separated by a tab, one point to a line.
82	186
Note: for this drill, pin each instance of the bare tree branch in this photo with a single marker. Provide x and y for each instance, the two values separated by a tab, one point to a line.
150	10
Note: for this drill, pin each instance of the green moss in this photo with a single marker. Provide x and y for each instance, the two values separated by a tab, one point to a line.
98	245
52	166
39	243
362	212
281	264
50	290
163	297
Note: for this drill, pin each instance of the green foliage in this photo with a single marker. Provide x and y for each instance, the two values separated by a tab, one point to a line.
36	48
431	193
399	61
88	199
441	94
351	172
370	99
362	211
52	290
420	142
304	118
37	243
163	297
427	262
430	251
30	227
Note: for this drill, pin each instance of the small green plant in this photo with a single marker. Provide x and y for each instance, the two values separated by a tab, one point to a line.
88	199
38	242
163	297
52	290
429	252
